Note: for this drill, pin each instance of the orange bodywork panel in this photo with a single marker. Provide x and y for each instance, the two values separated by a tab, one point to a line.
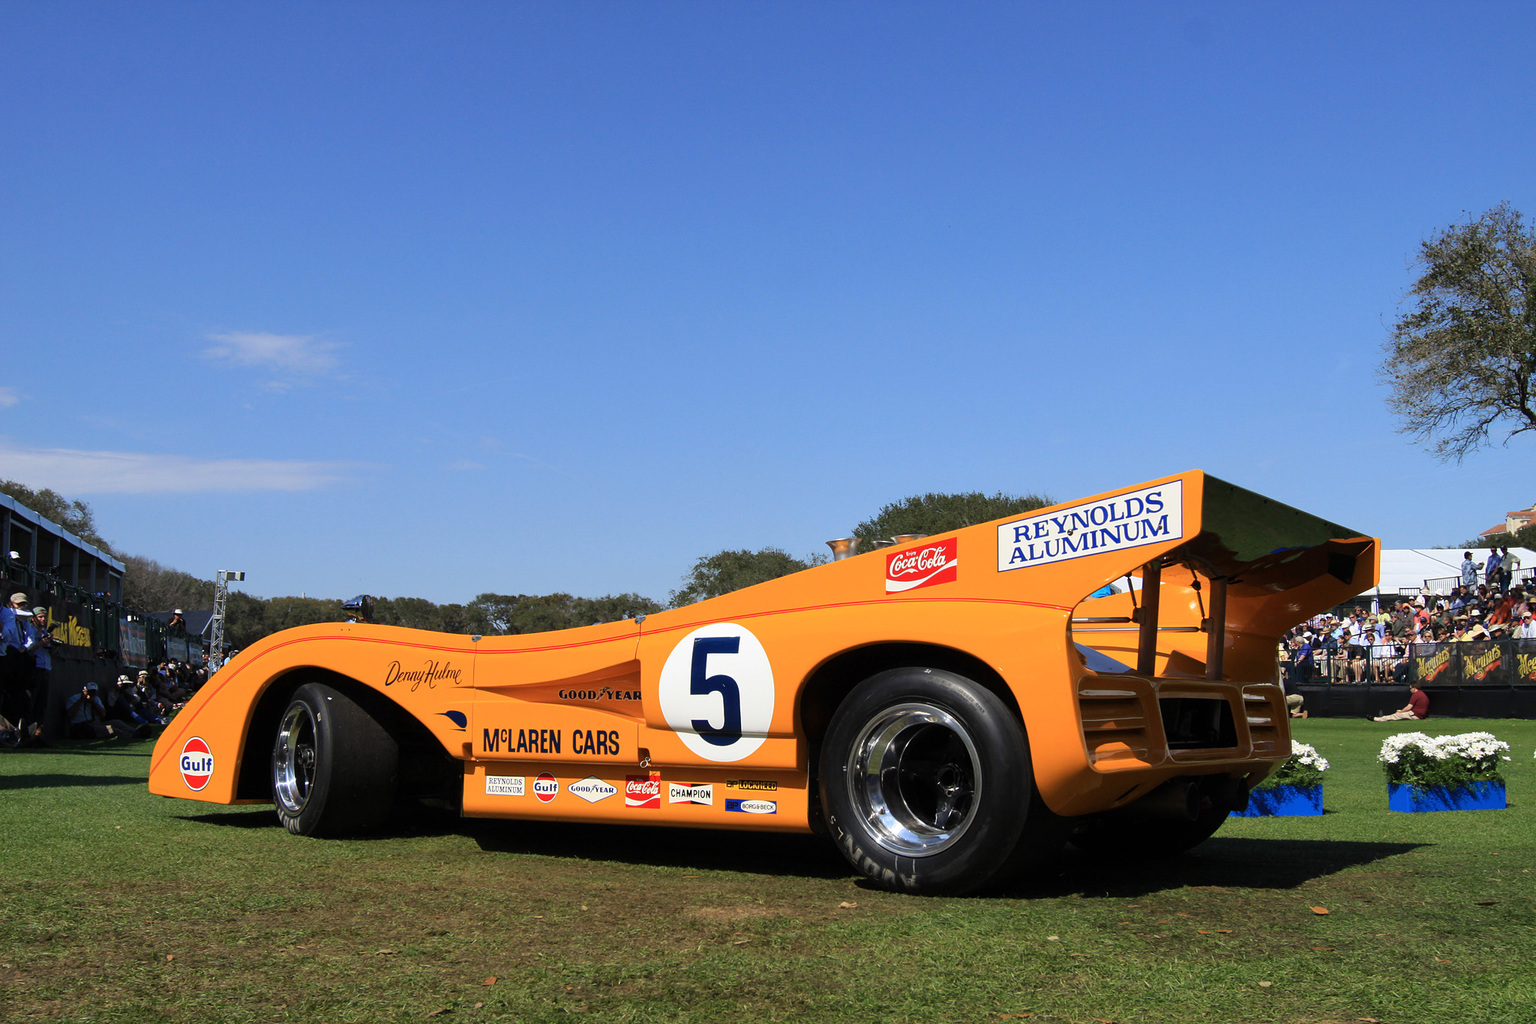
710	715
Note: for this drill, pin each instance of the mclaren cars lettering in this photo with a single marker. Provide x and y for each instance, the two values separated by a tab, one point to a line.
580	742
1146	516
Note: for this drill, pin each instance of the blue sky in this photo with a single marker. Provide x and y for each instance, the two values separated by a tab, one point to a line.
443	298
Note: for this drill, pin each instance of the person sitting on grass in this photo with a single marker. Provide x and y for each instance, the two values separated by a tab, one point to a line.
88	717
1417	707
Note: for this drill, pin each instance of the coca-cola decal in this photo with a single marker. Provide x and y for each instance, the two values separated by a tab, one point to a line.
932	562
643	790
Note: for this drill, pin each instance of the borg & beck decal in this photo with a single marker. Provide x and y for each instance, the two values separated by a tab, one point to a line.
1146	516
752	806
912	568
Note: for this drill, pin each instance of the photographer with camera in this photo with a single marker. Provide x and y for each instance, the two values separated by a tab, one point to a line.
88	717
39	643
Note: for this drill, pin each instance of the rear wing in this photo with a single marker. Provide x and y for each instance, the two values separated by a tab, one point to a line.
1210	575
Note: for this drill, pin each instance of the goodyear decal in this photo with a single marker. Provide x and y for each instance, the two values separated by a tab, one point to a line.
1148	516
577	742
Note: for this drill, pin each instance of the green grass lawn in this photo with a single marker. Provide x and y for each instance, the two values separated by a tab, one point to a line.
121	906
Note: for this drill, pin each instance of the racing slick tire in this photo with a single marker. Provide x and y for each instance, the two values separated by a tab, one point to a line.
926	782
334	767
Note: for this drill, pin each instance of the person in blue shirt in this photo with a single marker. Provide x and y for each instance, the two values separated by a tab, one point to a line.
15	662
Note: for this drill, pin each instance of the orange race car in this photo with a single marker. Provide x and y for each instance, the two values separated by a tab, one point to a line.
948	721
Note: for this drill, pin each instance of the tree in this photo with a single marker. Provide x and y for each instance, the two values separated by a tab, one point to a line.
929	514
507	614
722	573
1461	360
74	516
149	586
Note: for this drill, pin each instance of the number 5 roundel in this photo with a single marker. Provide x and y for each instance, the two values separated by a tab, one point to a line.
717	692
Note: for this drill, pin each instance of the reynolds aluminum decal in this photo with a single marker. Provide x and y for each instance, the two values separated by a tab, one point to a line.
1150	515
505	785
934	562
592	789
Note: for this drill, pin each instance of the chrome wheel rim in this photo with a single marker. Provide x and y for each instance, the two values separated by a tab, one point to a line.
293	759
914	777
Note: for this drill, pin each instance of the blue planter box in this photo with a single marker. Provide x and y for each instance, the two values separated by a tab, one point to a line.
1282	802
1475	796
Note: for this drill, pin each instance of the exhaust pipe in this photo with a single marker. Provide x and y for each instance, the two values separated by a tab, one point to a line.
843	547
1186	799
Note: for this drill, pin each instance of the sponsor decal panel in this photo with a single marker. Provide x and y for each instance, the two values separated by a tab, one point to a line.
196	763
753	785
1150	515
592	789
600	693
505	785
928	565
546	787
702	793
643	791
751	806
1429	668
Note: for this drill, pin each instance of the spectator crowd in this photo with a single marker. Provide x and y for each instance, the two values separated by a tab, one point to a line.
1367	646
132	707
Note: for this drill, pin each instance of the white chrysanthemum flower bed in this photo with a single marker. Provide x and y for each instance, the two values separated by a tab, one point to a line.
1414	759
1304	769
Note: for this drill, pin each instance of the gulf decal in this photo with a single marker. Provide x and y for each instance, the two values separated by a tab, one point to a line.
546	787
1150	515
933	563
196	763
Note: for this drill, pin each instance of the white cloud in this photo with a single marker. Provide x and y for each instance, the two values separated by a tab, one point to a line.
76	472
9	397
298	355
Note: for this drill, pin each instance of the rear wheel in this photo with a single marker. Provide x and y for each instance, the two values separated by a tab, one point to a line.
925	777
334	766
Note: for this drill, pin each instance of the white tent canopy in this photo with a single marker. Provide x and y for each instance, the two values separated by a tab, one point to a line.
1405	570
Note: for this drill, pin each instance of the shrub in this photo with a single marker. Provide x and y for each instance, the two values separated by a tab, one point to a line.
1304	769
1413	759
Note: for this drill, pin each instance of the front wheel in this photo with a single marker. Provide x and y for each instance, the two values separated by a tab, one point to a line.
333	765
925	778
